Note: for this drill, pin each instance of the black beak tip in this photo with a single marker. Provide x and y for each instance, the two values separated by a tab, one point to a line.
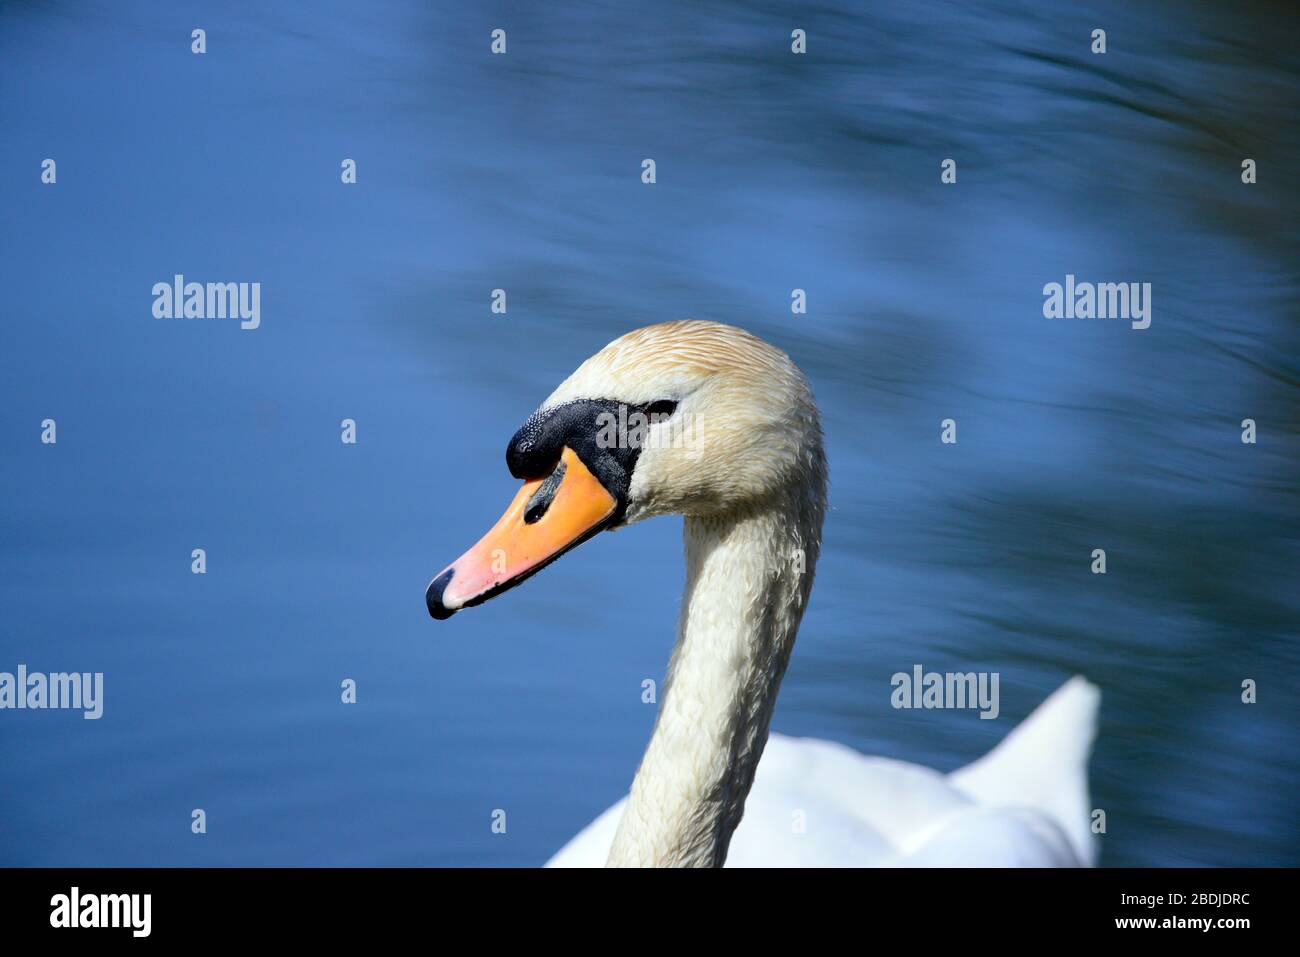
433	597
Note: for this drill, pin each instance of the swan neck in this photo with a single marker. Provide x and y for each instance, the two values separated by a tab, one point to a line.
747	581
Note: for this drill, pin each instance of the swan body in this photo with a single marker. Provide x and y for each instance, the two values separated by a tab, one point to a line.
712	423
820	804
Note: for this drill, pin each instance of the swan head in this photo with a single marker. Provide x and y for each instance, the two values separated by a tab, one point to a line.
692	418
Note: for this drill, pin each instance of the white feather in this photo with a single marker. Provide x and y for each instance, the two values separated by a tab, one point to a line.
752	488
820	804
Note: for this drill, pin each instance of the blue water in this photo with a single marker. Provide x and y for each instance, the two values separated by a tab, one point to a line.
522	172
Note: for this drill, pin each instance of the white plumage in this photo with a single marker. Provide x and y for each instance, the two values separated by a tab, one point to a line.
820	804
752	486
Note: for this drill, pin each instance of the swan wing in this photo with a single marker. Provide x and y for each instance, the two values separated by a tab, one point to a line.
820	804
1043	765
590	846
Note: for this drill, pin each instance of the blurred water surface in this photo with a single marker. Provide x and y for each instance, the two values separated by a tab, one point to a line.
521	172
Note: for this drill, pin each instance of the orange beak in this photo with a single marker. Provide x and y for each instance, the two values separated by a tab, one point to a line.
547	517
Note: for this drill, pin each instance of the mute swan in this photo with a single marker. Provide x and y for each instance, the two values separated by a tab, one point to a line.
707	421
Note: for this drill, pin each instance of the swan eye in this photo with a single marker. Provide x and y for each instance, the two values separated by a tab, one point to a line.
661	407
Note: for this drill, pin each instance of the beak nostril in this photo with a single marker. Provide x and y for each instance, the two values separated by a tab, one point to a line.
544	496
433	597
